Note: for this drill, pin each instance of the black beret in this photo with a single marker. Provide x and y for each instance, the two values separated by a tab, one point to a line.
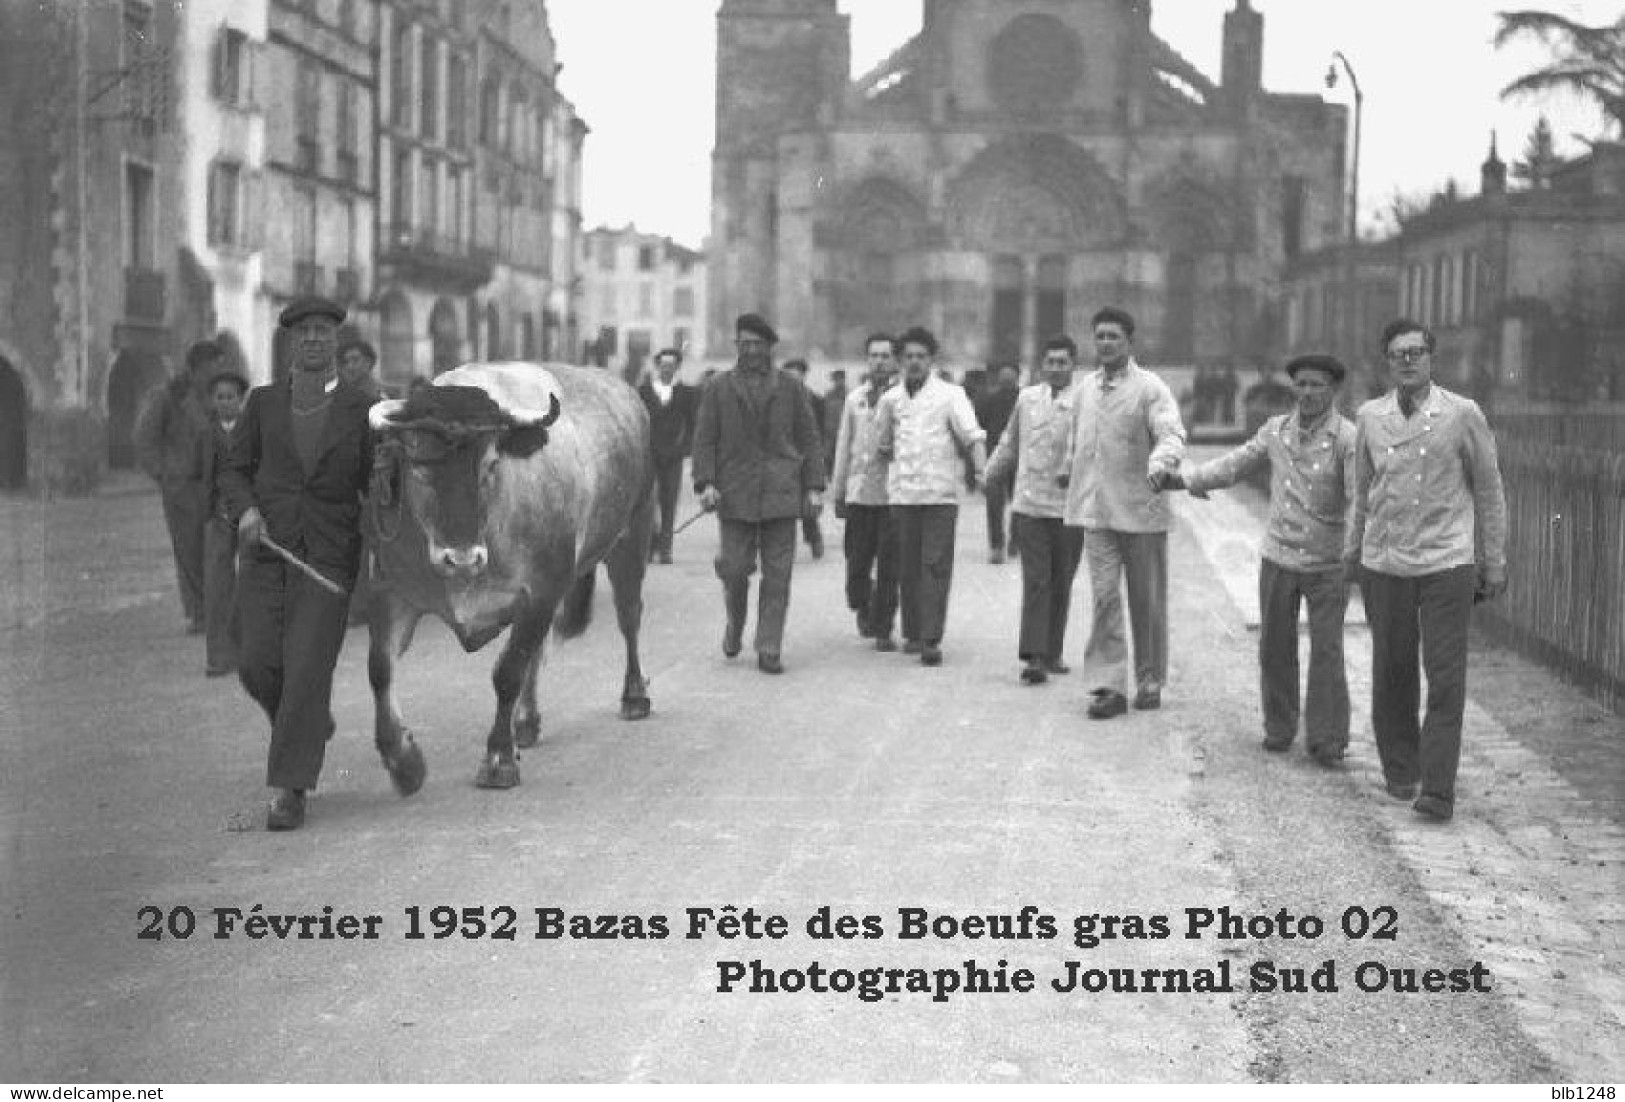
1331	365
307	306
755	323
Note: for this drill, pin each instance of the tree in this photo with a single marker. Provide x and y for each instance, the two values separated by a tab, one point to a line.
1539	156
1587	61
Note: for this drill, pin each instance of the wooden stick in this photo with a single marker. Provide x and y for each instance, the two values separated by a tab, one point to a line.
680	528
303	567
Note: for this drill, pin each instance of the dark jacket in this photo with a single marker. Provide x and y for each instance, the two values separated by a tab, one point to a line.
671	426
211	456
167	435
765	457
317	517
993	411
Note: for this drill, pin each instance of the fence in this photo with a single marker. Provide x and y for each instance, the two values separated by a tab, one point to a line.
1565	485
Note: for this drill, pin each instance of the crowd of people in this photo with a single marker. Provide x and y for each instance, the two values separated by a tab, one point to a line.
1405	500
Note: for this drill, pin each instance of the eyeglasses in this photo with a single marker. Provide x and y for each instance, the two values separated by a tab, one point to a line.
1410	355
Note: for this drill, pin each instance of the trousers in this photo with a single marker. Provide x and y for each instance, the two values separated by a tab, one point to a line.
925	567
871	566
219	593
668	482
1049	553
1139	559
291	634
184	514
1430	613
1325	711
773	542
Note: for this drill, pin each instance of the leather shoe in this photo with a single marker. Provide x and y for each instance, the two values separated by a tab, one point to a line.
222	669
1147	700
1327	759
996	556
1399	791
733	639
665	558
1436	808
768	662
930	654
287	810
865	631
885	643
1033	673
911	646
1277	745
1107	704
1057	667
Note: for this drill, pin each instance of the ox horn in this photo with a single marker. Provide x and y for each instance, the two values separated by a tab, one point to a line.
524	417
382	414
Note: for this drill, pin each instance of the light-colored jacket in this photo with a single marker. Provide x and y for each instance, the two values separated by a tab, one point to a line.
1311	487
859	477
1122	430
926	432
1034	445
1427	488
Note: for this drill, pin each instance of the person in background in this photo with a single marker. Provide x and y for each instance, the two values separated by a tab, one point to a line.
1126	440
226	392
671	404
759	465
358	362
1310	456
993	409
830	416
811	530
1033	452
168	435
1427	541
859	485
922	428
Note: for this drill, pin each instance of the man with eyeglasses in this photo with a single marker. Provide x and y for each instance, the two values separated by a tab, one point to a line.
1033	449
758	463
1427	539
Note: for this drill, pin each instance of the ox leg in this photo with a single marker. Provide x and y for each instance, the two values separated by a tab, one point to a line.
500	769
627	565
527	714
390	625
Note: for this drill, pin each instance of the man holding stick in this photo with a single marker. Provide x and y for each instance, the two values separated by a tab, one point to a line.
292	482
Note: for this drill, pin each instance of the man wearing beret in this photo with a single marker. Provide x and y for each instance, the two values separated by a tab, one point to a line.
758	463
295	473
1310	455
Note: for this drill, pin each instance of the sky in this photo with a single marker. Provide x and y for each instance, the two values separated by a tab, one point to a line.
642	75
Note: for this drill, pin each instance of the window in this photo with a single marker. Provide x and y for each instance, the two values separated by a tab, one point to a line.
430	199
348	159
1469	286
347	17
456	101
493	333
527	330
304	225
490	105
429	98
646	258
457	186
401	196
141	60
510	130
307	111
400	76
225	201
683	302
139	213
1436	297
230	49
352	236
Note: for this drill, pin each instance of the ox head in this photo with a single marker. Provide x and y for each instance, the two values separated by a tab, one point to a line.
452	442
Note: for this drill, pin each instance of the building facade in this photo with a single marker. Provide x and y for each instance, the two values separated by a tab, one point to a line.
640	293
1012	168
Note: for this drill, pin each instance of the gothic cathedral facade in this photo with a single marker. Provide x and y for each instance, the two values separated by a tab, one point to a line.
1012	168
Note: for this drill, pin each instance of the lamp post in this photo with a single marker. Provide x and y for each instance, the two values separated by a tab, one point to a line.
1350	293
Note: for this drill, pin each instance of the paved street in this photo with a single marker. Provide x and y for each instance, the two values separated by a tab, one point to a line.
857	781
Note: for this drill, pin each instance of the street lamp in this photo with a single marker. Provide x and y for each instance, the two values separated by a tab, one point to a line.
1353	239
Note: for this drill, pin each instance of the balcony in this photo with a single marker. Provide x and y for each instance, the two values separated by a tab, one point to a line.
417	254
144	295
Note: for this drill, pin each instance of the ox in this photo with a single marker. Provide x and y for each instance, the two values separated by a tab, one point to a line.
498	492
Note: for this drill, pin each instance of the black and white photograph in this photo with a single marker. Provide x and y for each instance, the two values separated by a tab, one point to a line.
896	542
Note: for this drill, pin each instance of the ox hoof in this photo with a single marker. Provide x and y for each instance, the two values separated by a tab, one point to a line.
527	732
407	768
635	708
494	772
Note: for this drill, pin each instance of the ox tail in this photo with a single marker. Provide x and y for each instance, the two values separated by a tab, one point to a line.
575	611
